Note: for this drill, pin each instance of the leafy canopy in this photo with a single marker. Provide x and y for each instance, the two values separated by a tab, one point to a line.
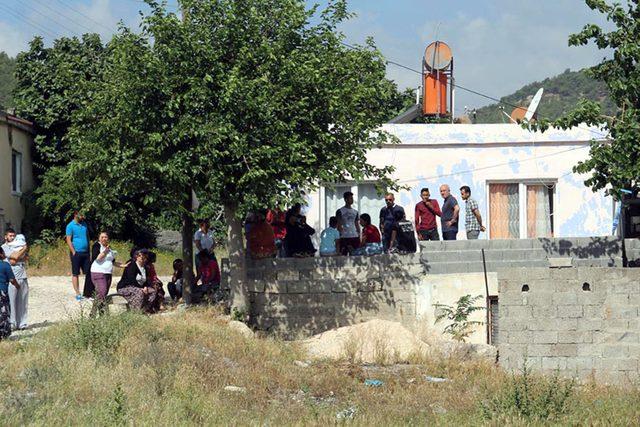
243	101
613	165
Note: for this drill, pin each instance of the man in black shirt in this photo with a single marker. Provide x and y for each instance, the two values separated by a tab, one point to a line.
387	218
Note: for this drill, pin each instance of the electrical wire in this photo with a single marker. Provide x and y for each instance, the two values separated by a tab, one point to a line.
85	16
19	16
31	7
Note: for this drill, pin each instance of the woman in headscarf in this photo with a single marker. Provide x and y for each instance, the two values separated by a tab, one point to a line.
135	285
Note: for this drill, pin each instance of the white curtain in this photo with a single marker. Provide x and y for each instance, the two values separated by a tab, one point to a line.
538	211
369	202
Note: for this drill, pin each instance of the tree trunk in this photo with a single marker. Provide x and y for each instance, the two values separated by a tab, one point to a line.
237	268
187	248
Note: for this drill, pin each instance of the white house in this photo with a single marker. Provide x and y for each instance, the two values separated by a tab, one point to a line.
523	181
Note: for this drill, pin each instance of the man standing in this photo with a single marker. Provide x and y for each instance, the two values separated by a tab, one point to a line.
15	250
77	235
203	238
348	225
387	215
472	218
425	217
450	213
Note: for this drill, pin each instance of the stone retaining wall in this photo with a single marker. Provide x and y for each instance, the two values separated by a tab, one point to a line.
577	321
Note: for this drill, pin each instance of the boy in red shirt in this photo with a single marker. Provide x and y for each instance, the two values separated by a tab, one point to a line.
425	217
370	242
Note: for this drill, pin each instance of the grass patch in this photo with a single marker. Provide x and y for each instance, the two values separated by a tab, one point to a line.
133	369
53	259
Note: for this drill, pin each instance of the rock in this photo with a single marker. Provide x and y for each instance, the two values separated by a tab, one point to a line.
118	305
235	389
468	351
241	328
301	364
169	240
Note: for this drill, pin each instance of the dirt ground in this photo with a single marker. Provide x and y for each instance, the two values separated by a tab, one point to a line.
52	299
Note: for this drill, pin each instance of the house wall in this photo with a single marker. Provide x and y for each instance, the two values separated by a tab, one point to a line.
14	138
475	155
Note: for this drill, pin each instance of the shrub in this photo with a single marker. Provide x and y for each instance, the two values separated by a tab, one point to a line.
460	327
102	335
534	398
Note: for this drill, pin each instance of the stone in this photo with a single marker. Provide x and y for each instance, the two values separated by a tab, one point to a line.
169	240
241	328
235	389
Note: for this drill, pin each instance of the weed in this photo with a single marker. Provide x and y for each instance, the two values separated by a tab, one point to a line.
534	398
460	327
117	409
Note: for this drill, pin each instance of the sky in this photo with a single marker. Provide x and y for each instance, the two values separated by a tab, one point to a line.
498	45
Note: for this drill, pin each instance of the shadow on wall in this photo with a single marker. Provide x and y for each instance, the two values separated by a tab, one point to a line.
585	248
293	298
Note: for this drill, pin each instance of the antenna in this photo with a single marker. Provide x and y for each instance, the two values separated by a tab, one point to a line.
531	111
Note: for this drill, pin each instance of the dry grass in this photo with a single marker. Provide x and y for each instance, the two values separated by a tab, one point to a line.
172	370
53	260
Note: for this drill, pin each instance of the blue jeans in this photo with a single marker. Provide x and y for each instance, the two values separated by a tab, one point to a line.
449	235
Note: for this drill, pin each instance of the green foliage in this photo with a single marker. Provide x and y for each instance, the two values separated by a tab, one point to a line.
7	80
561	94
533	398
100	335
614	164
460	327
117	409
245	102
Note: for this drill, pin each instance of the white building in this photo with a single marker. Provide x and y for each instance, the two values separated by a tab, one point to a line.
523	181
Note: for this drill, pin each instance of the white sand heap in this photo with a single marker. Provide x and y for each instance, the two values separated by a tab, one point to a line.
375	341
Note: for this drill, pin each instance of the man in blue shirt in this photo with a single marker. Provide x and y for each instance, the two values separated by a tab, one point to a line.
77	236
387	221
6	278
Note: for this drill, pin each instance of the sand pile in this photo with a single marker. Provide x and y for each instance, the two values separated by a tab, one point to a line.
375	341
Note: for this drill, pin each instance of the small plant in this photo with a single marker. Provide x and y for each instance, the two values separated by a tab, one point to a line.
239	314
117	407
530	397
460	327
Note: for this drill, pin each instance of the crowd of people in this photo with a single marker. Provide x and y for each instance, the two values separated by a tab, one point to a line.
274	233
269	233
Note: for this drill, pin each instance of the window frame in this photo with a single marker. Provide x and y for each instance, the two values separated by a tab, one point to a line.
522	201
324	219
16	168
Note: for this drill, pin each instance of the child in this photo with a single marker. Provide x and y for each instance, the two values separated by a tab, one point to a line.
175	286
6	278
18	246
403	239
209	276
330	239
370	242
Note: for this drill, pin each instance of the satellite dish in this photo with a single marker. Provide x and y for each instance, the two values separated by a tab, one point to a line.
534	105
520	114
438	56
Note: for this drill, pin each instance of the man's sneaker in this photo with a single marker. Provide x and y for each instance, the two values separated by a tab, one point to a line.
79	298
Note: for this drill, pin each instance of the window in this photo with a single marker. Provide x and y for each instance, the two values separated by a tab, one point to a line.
16	172
520	210
365	197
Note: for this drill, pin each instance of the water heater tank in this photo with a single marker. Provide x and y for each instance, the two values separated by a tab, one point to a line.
434	101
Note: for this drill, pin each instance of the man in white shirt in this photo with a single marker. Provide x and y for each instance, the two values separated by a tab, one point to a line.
348	225
16	252
203	238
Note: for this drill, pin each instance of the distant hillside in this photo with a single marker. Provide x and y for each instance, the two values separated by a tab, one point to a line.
561	94
7	80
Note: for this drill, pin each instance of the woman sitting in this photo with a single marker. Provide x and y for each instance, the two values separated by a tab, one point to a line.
370	240
260	238
154	280
298	239
135	285
208	276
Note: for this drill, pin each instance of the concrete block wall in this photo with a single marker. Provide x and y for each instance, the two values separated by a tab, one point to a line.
632	248
465	256
577	321
301	297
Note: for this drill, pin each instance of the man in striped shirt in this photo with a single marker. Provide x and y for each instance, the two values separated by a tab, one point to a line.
473	220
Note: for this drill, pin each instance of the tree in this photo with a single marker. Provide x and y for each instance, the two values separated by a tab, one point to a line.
52	84
244	102
613	164
7	80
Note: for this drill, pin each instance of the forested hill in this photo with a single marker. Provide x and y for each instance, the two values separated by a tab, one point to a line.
561	94
7	81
